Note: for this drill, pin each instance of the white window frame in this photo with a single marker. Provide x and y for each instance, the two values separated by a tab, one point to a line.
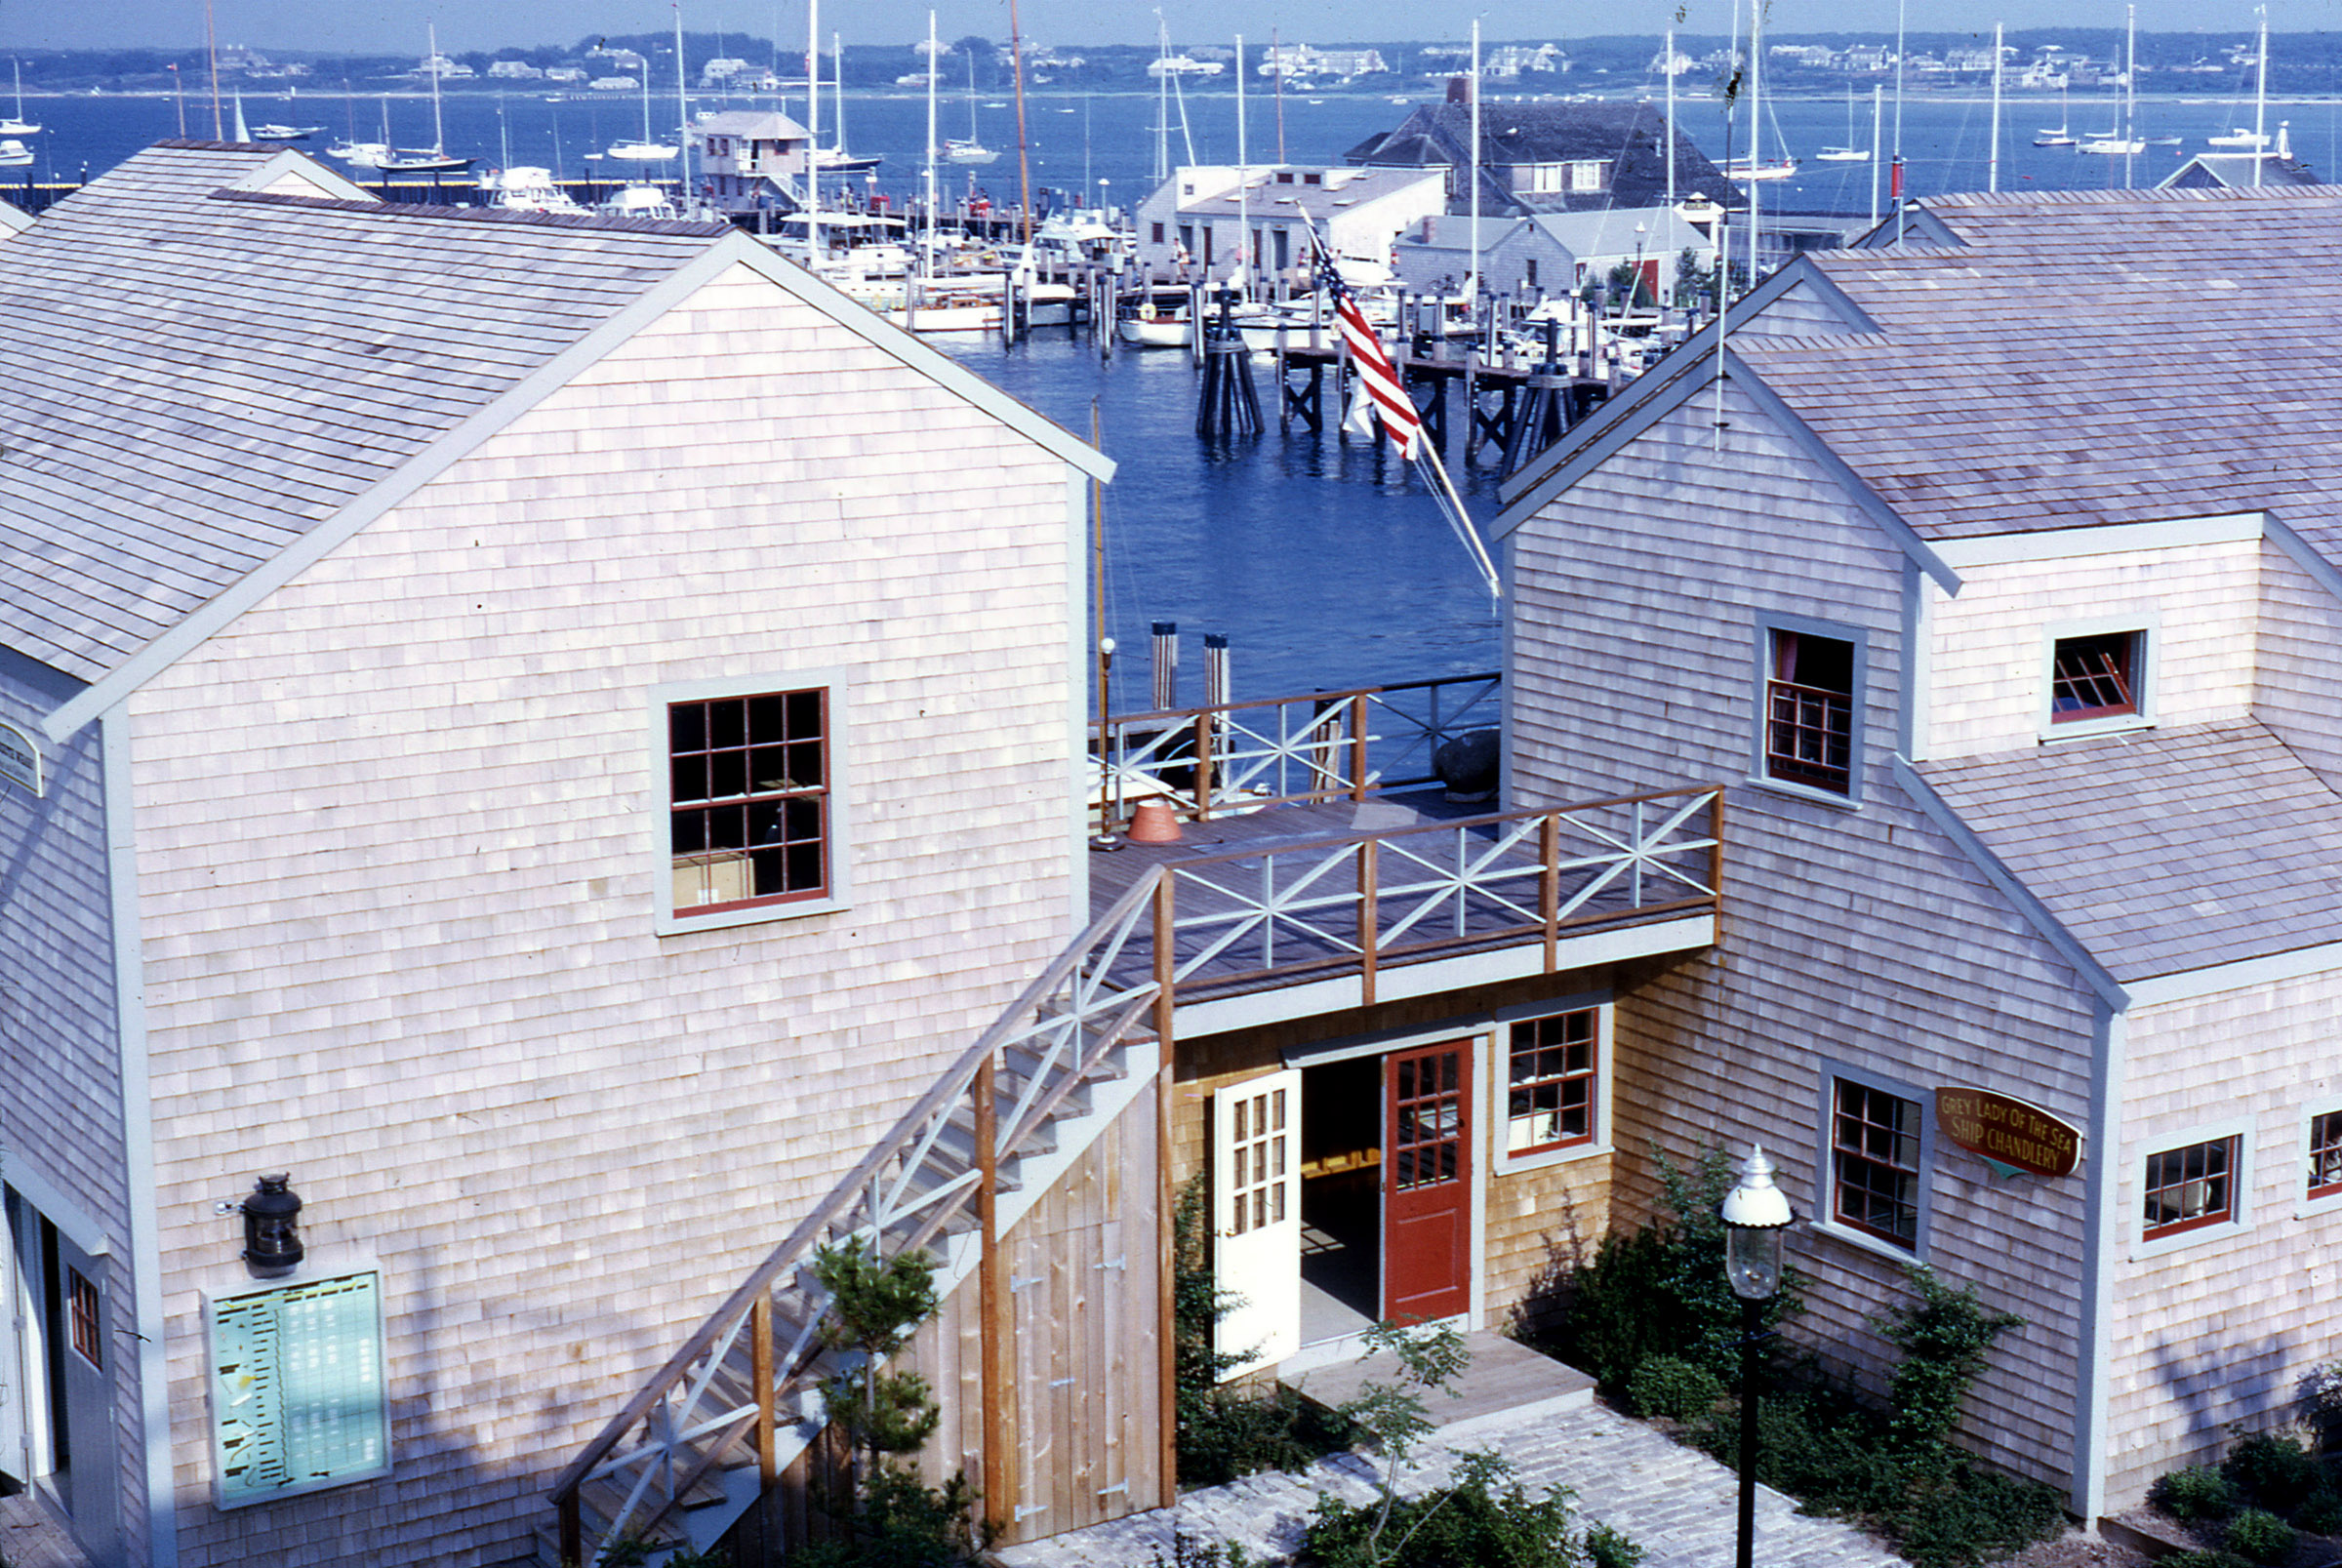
2304	1205
2145	628
667	920
1825	1162
1503	1162
1761	708
2240	1187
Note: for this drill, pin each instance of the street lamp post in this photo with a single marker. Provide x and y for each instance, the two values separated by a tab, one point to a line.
1755	1215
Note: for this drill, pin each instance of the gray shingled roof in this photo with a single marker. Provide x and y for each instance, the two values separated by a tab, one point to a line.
1626	135
2163	850
2088	357
191	380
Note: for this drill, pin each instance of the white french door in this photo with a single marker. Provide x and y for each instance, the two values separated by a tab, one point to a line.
1256	1217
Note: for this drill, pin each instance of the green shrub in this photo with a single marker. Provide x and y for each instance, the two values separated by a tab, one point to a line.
1670	1387
2203	1559
1605	1547
1966	1518
1943	1340
1484	1519
904	1524
2198	1492
2261	1536
1662	1291
2321	1515
2275	1471
1826	1453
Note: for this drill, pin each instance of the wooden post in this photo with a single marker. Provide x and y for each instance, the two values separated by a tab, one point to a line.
1358	748
1370	871
1203	765
1166	1281
992	1308
1549	886
760	1351
573	1532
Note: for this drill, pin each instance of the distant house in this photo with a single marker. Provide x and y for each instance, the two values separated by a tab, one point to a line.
1214	218
1516	257
547	731
752	159
2025	680
514	70
1550	157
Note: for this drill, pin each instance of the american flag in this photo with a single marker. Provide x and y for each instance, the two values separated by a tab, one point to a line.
1378	378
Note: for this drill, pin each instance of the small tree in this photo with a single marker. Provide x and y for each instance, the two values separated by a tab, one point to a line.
1943	1339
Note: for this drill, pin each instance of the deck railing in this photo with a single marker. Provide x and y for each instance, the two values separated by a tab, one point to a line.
1284	750
754	1366
1356	903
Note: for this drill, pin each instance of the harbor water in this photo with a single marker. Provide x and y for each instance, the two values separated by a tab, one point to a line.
1326	563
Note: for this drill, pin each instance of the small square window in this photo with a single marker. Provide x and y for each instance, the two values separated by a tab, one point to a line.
1809	711
1157	230
1874	1162
2094	677
2190	1187
1552	1082
2325	1155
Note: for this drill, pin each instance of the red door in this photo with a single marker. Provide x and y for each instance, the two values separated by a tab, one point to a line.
1427	1182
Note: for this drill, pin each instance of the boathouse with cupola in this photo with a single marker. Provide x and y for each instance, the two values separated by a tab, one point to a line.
2025	677
1550	157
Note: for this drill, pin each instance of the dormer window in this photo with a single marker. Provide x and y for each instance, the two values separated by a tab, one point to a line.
2095	677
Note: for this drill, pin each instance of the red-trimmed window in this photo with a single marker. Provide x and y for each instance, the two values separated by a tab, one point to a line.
88	1325
1551	1083
2190	1187
2094	677
1809	712
749	800
1874	1162
2326	1154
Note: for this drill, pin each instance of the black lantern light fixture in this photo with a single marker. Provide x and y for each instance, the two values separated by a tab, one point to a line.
1757	1216
271	1231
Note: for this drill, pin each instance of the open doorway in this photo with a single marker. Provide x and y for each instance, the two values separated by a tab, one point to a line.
1341	1199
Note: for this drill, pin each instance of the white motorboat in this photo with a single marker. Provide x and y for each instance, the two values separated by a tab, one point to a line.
15	154
1843	155
271	131
2238	142
530	189
360	154
1156	318
638	200
1739	168
645	149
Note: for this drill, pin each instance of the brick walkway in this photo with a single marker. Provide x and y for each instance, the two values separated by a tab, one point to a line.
1675	1502
30	1538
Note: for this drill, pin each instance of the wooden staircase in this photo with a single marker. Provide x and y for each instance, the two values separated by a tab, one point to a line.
697	1445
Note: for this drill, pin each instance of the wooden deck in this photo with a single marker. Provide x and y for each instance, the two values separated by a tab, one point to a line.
1288	895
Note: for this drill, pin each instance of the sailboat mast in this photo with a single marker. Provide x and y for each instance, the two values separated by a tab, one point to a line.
813	131
1016	51
1244	257
1894	180
1756	129
1878	116
927	251
2130	97
1472	283
682	109
1669	66
1162	102
438	131
1992	178
1277	60
2260	103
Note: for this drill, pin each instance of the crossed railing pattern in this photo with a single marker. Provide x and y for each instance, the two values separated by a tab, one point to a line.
1285	749
756	1365
1328	906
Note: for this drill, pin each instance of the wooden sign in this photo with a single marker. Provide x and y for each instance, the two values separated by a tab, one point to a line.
2008	1132
298	1397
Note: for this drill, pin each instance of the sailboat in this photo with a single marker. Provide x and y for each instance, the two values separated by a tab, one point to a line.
2240	140
1849	153
971	151
2063	136
2124	140
1754	166
17	125
835	159
644	151
431	160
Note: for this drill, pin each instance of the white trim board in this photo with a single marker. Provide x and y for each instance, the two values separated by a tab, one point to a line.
2103	538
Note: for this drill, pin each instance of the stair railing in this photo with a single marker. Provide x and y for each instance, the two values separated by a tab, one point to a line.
701	1406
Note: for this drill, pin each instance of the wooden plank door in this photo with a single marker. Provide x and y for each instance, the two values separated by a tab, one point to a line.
1427	1182
1256	1205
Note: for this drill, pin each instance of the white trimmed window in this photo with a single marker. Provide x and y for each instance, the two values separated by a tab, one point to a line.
1878	1170
1809	707
1553	1082
2190	1187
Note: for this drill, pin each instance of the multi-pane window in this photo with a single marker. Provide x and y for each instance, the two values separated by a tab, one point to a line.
2094	677
748	799
2191	1186
2326	1154
1874	1162
1551	1085
81	1309
1809	711
1257	1138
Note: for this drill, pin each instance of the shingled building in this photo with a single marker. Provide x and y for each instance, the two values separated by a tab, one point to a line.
1550	157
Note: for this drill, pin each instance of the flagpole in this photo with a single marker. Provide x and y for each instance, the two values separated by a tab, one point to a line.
1458	520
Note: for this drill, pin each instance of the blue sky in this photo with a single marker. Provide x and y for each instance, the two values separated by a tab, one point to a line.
375	28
